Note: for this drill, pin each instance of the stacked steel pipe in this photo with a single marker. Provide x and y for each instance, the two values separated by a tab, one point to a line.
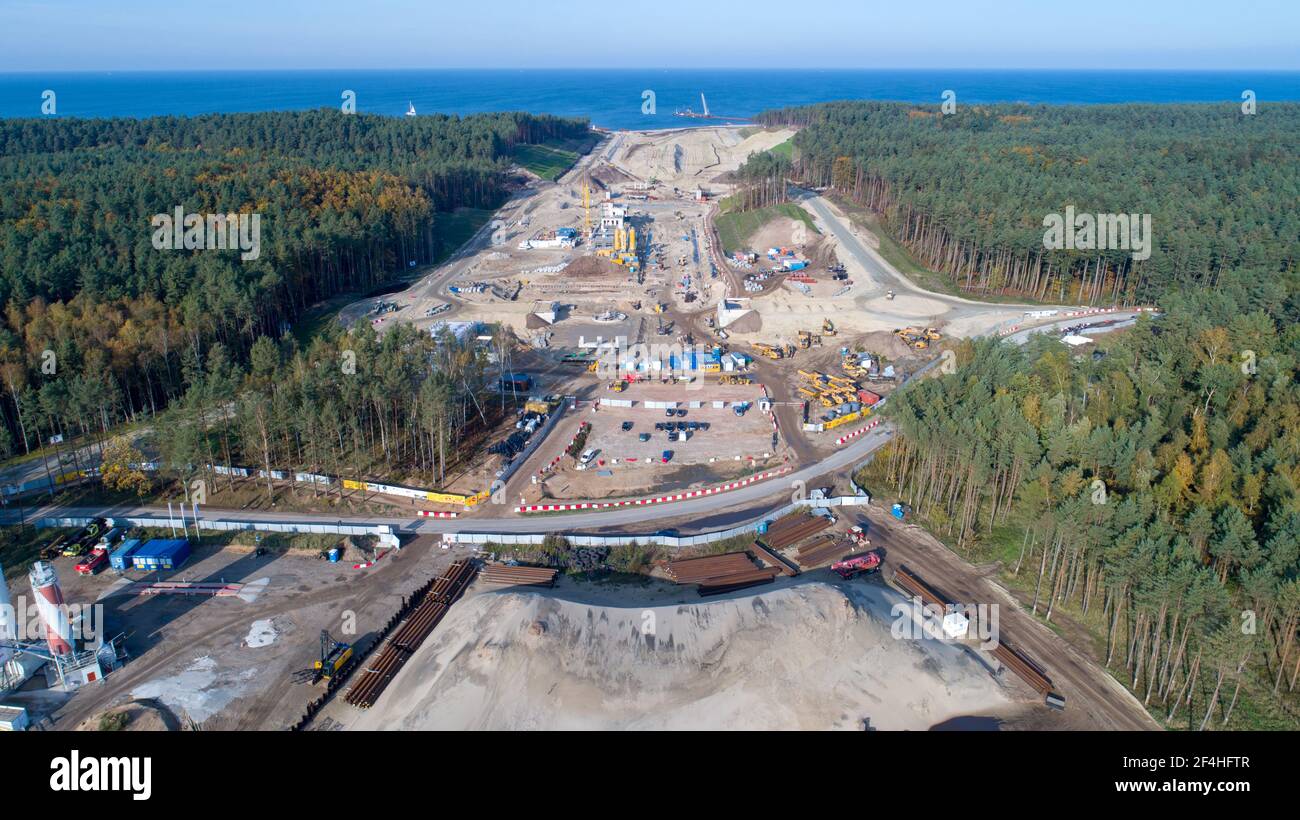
506	575
380	670
700	570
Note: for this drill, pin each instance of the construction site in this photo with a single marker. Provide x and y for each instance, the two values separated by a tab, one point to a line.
608	542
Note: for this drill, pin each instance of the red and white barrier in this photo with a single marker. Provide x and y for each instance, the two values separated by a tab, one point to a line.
556	460
856	433
368	564
662	499
1072	314
436	514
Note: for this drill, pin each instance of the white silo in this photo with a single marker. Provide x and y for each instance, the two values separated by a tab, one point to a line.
49	603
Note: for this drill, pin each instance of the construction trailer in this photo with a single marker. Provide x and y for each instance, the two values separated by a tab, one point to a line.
120	558
161	553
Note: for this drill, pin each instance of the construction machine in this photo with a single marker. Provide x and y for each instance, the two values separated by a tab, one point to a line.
770	351
915	337
334	657
863	563
828	327
805	339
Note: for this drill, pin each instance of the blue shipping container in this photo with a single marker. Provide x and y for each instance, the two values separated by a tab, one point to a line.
161	553
120	557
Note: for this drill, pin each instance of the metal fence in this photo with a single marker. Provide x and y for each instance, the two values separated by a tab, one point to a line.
384	531
673	541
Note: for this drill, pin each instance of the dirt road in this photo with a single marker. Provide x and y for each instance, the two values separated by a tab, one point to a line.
1094	699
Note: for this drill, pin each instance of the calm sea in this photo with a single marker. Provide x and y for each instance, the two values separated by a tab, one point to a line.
609	98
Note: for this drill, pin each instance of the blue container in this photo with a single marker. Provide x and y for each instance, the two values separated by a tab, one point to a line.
120	558
334	555
161	553
762	528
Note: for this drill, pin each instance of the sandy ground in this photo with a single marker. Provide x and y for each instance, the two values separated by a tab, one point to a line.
226	663
802	656
689	158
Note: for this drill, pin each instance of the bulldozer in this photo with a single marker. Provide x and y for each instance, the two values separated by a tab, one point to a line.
770	351
828	327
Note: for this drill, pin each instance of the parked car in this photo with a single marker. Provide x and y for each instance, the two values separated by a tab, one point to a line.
667	456
627	425
670	412
587	456
682	412
643	437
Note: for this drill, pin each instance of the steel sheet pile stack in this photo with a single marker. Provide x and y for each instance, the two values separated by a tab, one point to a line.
384	666
1015	660
794	528
772	559
822	550
717	574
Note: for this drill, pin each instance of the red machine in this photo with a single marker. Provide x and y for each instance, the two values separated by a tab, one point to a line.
866	562
93	563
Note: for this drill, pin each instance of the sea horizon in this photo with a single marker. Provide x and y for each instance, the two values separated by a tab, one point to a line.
609	98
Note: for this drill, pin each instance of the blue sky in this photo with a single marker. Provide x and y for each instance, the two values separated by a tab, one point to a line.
74	35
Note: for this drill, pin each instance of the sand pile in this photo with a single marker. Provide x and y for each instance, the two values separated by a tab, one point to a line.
804	656
690	157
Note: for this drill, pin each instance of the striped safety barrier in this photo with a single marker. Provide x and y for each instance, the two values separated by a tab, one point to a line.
662	499
850	436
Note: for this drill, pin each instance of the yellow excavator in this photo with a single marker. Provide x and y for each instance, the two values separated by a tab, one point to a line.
916	337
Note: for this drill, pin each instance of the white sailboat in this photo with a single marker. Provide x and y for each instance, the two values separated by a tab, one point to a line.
410	110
